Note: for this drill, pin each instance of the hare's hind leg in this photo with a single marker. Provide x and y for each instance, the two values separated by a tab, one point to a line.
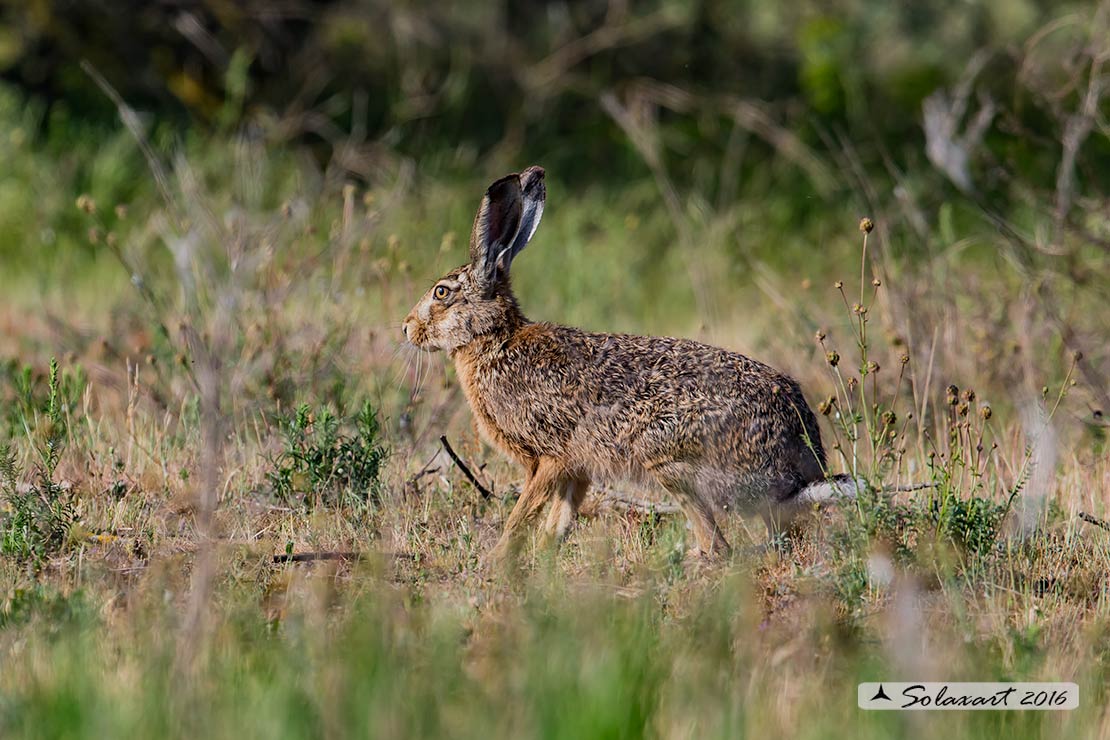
679	480
564	509
546	479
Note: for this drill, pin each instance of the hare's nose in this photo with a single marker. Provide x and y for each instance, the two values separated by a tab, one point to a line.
405	329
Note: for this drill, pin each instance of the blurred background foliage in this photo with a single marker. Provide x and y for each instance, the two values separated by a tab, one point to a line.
522	79
730	140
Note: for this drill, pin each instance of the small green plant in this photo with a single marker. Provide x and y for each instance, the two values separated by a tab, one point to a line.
38	514
321	465
25	394
971	524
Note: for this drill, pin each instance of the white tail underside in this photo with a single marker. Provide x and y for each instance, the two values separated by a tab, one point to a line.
830	490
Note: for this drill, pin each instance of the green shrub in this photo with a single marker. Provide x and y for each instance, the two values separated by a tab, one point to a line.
971	524
323	465
40	513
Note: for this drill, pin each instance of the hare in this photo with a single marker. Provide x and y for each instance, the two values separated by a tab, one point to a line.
717	430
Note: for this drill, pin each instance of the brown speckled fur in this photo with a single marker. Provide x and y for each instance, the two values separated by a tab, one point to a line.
716	429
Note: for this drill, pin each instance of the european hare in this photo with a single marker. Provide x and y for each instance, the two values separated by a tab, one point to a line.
719	431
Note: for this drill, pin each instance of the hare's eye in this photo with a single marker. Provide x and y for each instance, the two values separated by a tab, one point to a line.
441	292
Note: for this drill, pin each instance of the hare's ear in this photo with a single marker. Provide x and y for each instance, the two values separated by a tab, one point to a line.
533	193
495	228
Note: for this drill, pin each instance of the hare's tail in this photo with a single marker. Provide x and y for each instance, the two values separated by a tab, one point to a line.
831	489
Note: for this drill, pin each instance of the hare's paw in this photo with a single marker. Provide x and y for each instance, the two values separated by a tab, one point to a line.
503	556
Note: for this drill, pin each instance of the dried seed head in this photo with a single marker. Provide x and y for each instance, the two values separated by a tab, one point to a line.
820	335
872	367
968	395
876	282
852	383
86	204
890	418
121	211
1078	356
110	239
962	409
866	225
286	209
833	358
838	284
985	412
826	406
952	395
904	359
94	235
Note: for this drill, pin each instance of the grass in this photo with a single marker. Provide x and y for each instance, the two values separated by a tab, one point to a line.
240	341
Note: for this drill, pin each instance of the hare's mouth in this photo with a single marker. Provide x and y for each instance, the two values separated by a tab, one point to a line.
417	336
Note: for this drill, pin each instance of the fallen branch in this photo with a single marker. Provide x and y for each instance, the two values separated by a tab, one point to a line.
308	557
465	470
621	501
906	488
1094	520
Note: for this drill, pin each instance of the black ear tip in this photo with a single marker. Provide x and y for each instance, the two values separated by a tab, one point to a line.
506	186
531	180
535	173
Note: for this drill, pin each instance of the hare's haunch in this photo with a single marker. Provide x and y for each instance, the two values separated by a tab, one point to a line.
717	430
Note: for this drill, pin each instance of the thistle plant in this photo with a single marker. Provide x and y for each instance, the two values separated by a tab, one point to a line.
866	431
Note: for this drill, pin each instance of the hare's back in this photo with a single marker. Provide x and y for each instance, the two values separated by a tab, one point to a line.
683	369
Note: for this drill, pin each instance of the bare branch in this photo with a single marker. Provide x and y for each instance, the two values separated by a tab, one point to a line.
486	494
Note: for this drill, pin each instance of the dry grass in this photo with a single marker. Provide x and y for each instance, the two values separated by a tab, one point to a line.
164	611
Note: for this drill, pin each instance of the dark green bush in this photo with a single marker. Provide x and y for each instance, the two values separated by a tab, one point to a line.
39	513
321	464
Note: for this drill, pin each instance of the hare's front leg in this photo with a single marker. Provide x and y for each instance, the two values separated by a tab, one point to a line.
547	480
678	480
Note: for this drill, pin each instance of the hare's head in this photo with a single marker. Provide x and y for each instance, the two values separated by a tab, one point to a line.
475	299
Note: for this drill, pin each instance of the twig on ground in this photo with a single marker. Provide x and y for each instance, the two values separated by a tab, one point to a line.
307	557
906	488
426	470
1090	519
486	494
621	501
